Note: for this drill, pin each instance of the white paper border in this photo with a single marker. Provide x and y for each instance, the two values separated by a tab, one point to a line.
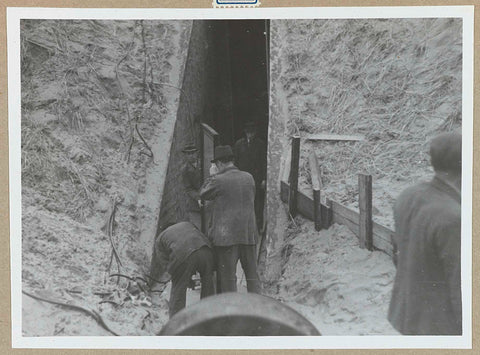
324	342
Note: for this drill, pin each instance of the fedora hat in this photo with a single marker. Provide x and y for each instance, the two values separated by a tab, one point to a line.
189	148
222	151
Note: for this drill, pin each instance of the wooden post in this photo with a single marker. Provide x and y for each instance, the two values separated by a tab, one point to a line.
210	139
316	186
365	206
293	179
328	220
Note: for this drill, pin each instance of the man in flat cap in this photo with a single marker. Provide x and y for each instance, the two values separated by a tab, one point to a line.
251	156
180	251
192	181
232	227
426	297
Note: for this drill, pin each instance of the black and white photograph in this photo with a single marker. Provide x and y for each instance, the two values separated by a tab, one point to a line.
293	174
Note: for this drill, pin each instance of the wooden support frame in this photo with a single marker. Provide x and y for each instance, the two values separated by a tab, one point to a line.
365	205
334	137
293	179
335	212
317	188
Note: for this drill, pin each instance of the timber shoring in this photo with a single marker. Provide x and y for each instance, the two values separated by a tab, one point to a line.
382	236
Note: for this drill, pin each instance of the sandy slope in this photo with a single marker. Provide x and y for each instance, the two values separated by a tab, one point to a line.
340	288
76	134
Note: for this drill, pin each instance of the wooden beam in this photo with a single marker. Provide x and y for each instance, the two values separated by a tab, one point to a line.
334	212
314	171
333	137
328	213
293	180
365	204
304	203
345	212
209	130
316	186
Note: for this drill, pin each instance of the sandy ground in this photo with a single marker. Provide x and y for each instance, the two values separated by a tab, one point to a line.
76	134
75	138
340	288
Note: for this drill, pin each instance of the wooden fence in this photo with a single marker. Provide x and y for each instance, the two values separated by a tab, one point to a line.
372	235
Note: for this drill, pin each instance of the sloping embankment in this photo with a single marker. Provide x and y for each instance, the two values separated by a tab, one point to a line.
98	113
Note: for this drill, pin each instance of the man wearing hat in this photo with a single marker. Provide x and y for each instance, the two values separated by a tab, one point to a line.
192	181
232	227
426	297
251	156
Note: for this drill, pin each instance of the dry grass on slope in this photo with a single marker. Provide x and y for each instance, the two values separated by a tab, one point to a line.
396	81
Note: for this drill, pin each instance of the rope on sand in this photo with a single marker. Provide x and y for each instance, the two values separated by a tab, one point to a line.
91	313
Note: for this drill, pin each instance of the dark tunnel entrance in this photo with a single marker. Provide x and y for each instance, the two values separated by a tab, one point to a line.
225	84
245	53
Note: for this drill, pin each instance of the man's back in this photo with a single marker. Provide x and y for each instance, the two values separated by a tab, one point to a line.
426	298
179	241
232	219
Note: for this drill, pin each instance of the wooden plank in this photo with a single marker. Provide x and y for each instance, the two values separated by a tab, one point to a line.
328	209
314	171
209	130
293	180
305	205
316	185
345	212
333	137
365	205
317	210
383	232
210	140
381	244
382	238
285	172
352	225
340	214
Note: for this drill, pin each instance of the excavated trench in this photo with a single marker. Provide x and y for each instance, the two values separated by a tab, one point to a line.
225	84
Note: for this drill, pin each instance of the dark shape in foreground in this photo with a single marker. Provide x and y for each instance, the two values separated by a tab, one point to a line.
237	314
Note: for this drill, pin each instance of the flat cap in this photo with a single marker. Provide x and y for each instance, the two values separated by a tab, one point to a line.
446	152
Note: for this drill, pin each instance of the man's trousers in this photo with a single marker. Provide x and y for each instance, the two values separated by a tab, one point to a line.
201	261
227	259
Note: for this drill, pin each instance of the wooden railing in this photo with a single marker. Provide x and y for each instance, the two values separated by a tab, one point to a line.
372	235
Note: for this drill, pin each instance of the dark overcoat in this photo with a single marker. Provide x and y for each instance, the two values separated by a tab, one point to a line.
426	297
251	157
192	181
232	214
173	246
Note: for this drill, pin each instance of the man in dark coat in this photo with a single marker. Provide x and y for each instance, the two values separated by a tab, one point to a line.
426	297
232	227
192	181
251	156
180	251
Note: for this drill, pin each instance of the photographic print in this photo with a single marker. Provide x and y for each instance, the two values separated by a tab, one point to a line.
294	176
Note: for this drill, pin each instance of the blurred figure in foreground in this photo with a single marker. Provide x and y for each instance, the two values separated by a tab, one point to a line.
181	250
426	297
239	314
